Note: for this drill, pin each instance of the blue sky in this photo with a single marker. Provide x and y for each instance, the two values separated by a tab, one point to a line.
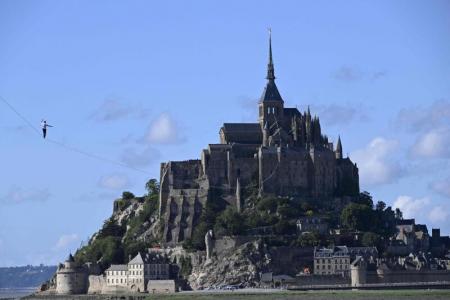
142	82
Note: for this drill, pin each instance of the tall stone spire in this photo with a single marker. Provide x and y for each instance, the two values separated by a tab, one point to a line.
271	105
270	68
339	149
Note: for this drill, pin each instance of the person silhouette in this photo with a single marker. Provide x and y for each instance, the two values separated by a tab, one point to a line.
44	126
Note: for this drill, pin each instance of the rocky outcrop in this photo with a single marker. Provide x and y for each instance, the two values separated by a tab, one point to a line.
233	266
242	260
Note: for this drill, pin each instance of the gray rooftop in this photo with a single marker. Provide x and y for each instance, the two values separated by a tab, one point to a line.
137	260
271	92
118	268
331	252
245	133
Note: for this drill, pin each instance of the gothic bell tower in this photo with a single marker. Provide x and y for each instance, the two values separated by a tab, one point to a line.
271	105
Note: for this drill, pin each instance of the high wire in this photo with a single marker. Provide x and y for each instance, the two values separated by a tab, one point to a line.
73	149
117	163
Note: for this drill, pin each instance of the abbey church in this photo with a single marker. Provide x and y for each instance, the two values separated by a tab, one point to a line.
284	153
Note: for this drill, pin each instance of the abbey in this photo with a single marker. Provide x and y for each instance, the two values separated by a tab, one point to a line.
284	153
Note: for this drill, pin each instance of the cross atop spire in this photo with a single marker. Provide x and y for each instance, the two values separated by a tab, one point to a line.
270	68
271	92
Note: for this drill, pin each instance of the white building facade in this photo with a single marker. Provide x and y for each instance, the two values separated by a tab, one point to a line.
332	261
136	275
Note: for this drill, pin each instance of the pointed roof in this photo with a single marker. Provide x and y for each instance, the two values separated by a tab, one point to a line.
339	145
70	258
270	92
270	68
137	260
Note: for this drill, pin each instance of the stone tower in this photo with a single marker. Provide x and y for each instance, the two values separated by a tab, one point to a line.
283	153
271	104
71	278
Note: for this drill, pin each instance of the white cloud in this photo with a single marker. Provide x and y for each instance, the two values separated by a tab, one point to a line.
348	73
419	119
249	108
114	182
432	144
136	158
411	207
438	214
341	114
163	130
18	195
421	208
442	187
113	110
66	240
375	162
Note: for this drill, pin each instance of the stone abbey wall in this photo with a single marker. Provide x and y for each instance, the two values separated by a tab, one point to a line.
283	153
408	276
186	186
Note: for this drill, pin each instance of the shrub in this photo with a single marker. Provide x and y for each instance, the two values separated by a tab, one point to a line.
229	222
185	266
127	195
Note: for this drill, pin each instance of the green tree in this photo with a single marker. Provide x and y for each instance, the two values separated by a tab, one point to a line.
229	222
185	266
132	248
380	205
152	187
371	239
268	204
310	239
197	241
127	195
284	227
357	217
111	228
398	214
365	198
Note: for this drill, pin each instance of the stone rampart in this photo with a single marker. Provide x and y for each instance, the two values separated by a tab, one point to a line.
161	286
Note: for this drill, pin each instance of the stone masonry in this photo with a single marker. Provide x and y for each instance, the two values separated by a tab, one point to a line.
284	153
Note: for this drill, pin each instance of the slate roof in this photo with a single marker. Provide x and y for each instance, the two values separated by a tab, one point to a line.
70	258
331	252
243	133
291	111
137	260
363	251
148	258
406	222
421	227
271	92
118	268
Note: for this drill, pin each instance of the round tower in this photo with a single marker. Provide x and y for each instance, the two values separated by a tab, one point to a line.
71	278
358	272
